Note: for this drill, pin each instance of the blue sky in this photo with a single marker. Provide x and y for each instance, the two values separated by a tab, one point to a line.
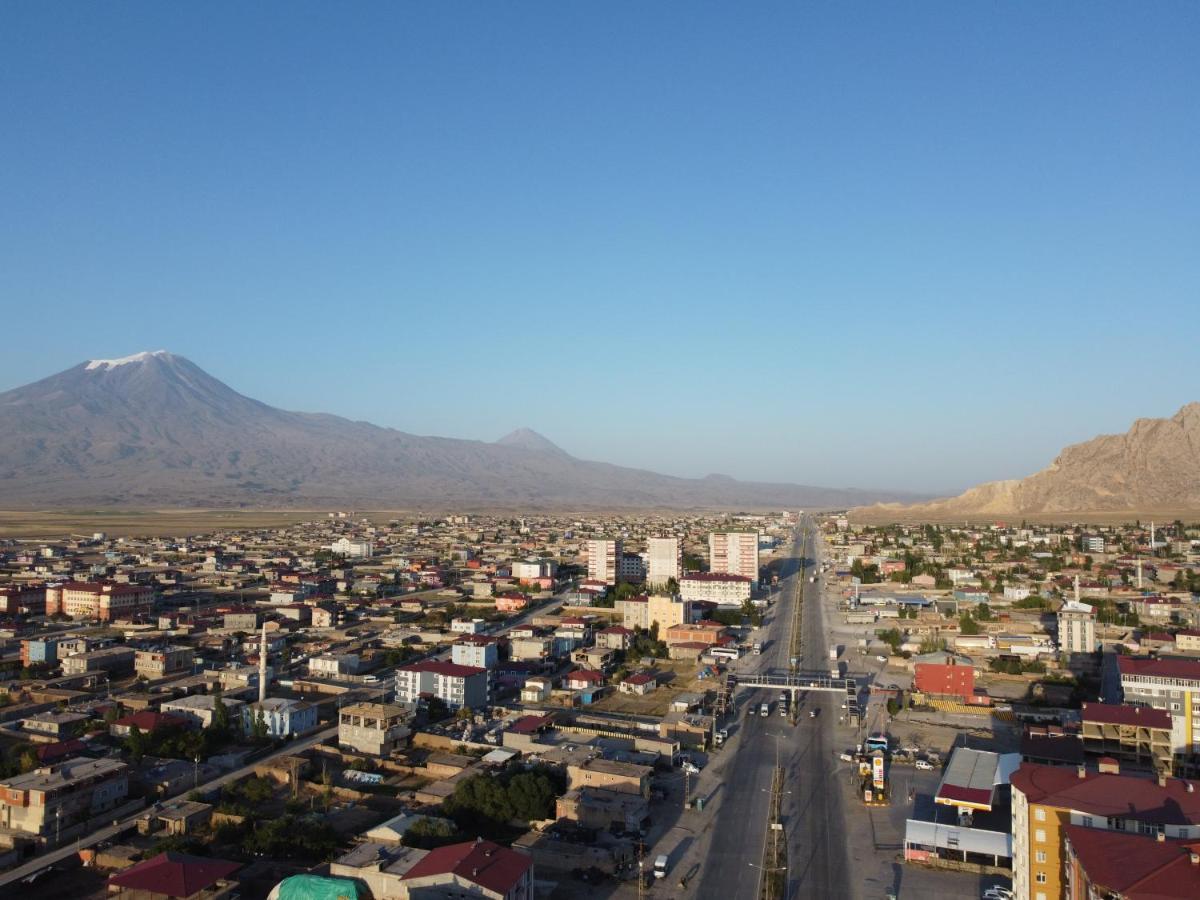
896	245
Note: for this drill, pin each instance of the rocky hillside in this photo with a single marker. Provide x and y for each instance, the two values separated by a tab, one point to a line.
1155	466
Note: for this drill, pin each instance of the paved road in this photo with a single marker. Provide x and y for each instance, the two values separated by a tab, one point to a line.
814	820
811	809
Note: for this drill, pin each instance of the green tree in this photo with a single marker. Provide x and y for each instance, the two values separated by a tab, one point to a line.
429	833
967	625
672	586
258	729
135	743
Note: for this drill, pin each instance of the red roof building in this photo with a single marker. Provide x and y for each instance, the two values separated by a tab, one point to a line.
174	874
1107	863
948	680
477	866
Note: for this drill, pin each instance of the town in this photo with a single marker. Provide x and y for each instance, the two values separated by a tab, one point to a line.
632	705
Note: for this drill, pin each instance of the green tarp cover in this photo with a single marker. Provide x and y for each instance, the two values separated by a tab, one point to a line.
315	887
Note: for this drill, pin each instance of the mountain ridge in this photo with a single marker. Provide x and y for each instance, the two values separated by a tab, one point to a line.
1153	466
154	429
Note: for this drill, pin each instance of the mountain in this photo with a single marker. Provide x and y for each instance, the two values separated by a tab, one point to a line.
1153	467
530	440
153	429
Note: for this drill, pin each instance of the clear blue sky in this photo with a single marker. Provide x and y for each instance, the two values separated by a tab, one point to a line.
898	245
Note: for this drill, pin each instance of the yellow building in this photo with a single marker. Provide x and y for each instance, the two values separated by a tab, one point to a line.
1046	799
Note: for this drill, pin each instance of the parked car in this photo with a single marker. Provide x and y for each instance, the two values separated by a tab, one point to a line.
881	658
846	756
997	893
924	765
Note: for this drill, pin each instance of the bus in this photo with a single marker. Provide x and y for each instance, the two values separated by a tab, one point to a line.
727	653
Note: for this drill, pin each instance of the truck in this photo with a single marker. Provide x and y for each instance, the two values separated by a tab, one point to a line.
757	648
660	866
834	652
764	709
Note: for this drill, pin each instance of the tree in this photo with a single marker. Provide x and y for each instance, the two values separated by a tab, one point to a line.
135	743
258	730
672	586
983	613
892	637
967	625
429	833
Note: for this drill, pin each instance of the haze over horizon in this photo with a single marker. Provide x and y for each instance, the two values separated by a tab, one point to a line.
909	249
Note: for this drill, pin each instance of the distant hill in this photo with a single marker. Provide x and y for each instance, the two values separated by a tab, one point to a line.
153	430
1153	467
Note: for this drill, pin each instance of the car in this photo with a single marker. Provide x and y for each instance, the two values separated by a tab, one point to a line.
924	765
997	892
812	713
881	657
846	756
690	767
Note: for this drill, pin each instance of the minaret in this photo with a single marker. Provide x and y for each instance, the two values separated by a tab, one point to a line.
1152	537
1139	573
1076	589
262	666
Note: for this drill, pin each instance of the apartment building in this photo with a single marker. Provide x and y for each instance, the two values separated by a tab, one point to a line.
453	684
152	664
643	612
29	600
1136	734
62	796
477	651
373	728
102	601
39	650
108	659
350	548
631	568
603	557
1076	628
1046	800
1170	684
282	717
734	553
664	561
715	587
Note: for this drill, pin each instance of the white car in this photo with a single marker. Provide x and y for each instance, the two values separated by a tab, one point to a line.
845	756
881	658
997	893
924	765
690	767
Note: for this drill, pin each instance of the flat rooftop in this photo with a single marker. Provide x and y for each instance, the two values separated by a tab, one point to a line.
971	778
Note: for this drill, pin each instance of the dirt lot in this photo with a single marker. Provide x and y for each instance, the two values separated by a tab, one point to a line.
683	679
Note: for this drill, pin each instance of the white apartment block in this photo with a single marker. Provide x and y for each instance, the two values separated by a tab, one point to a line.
734	553
715	587
454	685
664	560
1168	683
1076	628
351	548
603	556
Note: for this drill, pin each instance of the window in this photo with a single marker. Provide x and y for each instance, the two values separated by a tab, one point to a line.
1040	814
1040	856
1041	878
1040	835
1086	822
